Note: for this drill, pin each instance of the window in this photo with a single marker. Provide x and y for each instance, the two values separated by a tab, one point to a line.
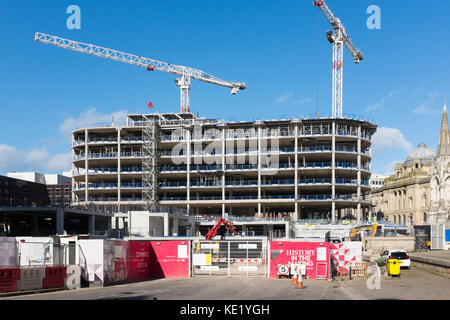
398	255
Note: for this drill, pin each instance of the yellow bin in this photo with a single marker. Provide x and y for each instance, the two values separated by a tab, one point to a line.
393	267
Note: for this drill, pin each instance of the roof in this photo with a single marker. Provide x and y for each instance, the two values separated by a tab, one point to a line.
423	152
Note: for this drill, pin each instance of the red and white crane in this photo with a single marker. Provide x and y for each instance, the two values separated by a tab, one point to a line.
338	40
185	73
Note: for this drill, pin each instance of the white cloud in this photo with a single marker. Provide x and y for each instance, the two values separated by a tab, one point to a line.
284	97
383	99
389	138
388	169
13	159
40	159
376	105
92	118
302	101
424	108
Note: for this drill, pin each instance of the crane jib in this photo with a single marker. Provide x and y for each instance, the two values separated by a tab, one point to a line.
186	73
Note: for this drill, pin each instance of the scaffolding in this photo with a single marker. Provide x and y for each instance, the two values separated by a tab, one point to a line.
150	149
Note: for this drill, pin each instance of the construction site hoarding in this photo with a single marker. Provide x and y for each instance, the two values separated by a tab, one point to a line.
138	261
115	261
343	254
8	252
91	261
170	259
312	256
35	251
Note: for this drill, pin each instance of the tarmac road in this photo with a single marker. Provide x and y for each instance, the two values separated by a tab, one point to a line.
413	284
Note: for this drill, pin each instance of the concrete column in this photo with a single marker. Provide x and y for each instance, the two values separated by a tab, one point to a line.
35	223
223	210
86	166
359	175
223	170
60	221
287	230
188	164
91	224
166	224
333	172
73	168
175	226
296	172
259	169
119	168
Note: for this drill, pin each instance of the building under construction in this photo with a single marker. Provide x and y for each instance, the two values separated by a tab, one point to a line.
304	168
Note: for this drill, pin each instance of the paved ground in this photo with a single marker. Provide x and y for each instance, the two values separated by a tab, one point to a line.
413	284
439	254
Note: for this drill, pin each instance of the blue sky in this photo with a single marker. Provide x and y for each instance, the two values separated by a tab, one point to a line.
278	48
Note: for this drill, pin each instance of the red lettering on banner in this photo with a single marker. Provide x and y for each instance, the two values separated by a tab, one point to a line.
290	252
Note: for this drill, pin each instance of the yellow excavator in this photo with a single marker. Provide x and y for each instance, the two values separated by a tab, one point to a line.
355	233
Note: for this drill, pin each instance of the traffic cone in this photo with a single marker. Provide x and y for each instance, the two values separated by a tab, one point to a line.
300	281
294	279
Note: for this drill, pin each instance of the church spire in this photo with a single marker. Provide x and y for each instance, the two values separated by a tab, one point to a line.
444	136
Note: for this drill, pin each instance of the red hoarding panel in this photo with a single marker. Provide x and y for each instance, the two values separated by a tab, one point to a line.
315	255
169	259
138	261
115	261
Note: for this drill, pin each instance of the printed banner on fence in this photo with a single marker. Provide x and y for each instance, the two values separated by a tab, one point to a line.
314	256
342	254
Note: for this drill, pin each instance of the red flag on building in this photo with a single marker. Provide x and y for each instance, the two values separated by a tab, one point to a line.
150	105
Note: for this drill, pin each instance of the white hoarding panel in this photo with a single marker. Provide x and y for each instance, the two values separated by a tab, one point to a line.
35	251
91	259
8	252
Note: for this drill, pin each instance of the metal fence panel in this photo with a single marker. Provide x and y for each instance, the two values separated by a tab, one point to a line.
437	236
234	258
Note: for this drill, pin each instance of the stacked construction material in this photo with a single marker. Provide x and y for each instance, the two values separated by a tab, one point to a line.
358	269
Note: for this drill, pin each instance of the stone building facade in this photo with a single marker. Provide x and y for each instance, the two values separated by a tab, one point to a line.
405	196
419	190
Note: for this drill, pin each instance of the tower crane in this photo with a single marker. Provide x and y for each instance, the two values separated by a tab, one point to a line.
185	73
339	38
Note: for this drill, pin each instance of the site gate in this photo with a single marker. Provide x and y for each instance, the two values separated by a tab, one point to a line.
230	258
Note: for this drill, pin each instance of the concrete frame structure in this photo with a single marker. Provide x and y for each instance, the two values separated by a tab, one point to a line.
59	215
301	168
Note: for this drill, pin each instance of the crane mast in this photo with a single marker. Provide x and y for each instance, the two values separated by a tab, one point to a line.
185	73
339	39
